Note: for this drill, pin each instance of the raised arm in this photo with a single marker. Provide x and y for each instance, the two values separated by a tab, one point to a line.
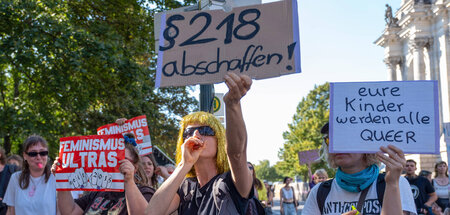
66	204
136	202
236	132
394	165
166	199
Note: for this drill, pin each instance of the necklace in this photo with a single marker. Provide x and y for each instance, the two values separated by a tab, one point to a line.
34	186
442	181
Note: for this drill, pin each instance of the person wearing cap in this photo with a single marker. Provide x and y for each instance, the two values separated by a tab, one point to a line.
426	174
357	175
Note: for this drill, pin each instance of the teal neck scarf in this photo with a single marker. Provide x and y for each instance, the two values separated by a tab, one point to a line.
358	181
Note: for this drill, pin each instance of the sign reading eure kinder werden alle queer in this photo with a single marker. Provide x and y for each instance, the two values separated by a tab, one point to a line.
367	115
200	47
90	163
138	126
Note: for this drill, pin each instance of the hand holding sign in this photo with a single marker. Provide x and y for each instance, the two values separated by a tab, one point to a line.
395	162
78	179
238	86
127	169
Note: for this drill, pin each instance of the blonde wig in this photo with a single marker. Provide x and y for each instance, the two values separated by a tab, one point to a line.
204	118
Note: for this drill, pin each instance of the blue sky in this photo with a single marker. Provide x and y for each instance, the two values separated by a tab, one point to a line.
336	40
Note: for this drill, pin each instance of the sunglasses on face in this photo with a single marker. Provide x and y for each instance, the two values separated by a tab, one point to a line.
203	130
34	154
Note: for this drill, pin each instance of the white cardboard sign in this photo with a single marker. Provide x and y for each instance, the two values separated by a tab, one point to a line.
200	47
367	115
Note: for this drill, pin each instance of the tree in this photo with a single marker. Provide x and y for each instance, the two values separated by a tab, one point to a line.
68	67
304	132
266	172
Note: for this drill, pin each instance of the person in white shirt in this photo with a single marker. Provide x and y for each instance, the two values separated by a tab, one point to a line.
32	190
357	174
441	184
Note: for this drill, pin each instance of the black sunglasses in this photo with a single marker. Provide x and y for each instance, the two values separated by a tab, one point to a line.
34	154
203	130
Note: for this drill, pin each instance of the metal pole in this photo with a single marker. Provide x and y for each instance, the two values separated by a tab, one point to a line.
206	90
206	97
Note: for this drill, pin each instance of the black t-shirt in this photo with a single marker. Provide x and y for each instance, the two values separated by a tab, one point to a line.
420	187
200	200
109	203
9	169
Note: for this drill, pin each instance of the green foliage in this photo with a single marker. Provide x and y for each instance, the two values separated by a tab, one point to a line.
304	132
266	172
68	67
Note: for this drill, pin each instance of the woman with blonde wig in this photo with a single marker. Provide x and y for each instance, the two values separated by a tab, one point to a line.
203	118
208	156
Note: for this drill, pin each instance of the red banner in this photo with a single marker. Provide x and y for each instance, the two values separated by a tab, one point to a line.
90	163
138	126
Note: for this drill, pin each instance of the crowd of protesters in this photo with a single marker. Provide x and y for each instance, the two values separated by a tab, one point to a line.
213	176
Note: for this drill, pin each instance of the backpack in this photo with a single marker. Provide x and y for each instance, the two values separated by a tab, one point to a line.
325	188
228	205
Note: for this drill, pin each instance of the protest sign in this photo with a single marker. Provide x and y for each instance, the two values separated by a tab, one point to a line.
367	115
200	47
90	163
138	126
308	156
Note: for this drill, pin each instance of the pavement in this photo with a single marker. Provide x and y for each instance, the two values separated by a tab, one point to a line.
276	207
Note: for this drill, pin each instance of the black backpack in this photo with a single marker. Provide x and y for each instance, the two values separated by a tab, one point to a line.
228	205
325	188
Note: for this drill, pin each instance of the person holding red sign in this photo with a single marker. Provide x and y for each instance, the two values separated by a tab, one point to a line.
211	176
148	161
133	201
32	190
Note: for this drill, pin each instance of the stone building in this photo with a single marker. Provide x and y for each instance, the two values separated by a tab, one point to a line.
416	41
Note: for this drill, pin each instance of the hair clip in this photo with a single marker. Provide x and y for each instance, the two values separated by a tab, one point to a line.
130	140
